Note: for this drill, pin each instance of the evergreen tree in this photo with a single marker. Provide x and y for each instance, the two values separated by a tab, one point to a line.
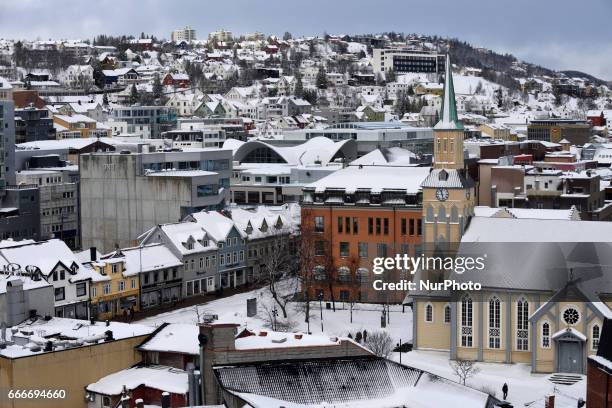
105	99
390	76
321	80
299	87
133	94
157	87
310	95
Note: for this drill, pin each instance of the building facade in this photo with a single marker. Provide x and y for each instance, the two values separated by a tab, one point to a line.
124	195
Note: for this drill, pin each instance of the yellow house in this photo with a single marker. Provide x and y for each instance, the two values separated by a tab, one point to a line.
78	126
113	291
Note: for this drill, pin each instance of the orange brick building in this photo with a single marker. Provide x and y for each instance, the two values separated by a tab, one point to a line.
355	215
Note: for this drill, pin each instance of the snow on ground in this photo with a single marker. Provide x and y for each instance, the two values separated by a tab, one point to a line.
523	386
233	309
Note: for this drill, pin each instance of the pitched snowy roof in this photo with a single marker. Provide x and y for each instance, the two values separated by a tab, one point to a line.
181	233
344	382
533	213
390	156
161	378
215	224
174	338
145	258
46	255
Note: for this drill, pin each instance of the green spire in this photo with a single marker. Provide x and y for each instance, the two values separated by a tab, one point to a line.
448	117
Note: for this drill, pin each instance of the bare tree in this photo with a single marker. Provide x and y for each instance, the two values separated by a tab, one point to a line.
279	264
380	343
307	260
464	369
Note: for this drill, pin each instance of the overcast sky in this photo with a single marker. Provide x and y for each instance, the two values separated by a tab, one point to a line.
558	34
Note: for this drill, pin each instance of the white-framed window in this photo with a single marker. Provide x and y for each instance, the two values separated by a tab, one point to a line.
107	288
429	313
467	319
545	335
94	291
494	323
447	314
121	286
595	333
522	325
133	284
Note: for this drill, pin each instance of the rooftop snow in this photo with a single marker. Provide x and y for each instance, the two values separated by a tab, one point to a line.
160	378
376	178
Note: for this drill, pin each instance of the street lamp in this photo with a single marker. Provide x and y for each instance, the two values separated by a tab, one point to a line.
274	314
321	308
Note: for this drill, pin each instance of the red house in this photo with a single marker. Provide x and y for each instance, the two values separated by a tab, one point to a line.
599	371
145	383
176	80
597	120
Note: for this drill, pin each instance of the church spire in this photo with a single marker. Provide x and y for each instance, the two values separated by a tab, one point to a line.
448	117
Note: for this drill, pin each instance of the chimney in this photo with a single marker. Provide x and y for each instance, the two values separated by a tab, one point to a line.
549	401
109	335
93	256
165	400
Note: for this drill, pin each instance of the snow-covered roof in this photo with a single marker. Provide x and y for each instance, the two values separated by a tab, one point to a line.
376	178
358	383
215	224
145	258
175	338
27	282
264	220
67	333
318	149
483	229
533	213
162	378
48	254
571	331
392	156
181	233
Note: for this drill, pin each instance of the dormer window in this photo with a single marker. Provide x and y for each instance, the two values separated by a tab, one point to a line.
279	223
264	226
249	228
443	175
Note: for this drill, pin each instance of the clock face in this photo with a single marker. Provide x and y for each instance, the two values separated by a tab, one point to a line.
442	194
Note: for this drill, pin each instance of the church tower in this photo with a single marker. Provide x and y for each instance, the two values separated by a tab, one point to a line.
448	192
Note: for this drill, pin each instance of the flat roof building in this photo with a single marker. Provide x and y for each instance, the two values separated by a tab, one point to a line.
125	194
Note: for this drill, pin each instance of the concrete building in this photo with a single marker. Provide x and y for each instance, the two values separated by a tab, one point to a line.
123	195
404	60
158	118
187	34
23	294
20	212
7	134
368	135
95	350
58	197
578	132
33	124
